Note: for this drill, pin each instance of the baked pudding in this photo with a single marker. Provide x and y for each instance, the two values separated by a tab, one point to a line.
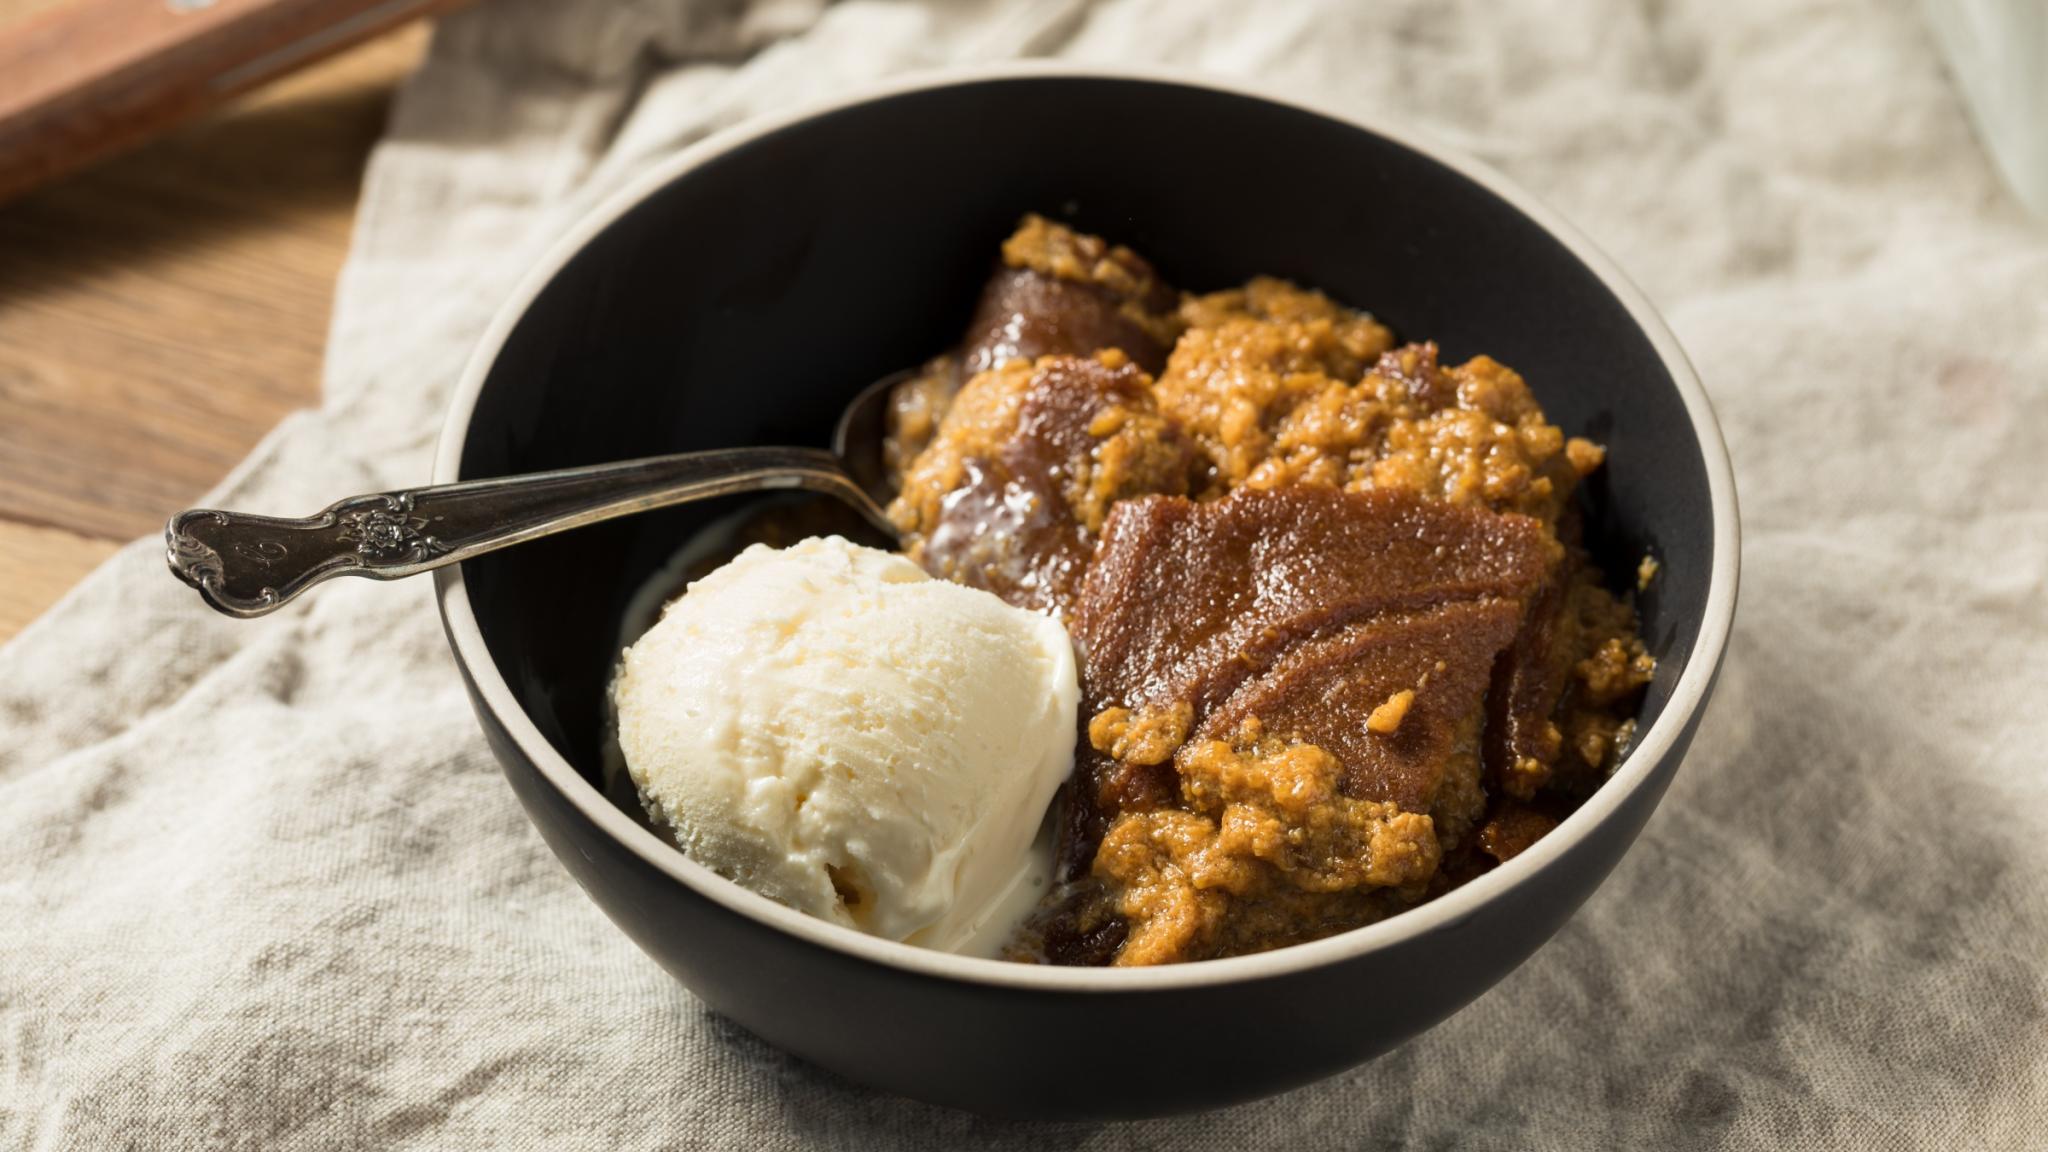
1341	648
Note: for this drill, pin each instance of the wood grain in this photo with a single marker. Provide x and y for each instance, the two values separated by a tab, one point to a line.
38	565
160	313
86	77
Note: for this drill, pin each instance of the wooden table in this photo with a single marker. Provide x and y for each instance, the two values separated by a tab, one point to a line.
160	313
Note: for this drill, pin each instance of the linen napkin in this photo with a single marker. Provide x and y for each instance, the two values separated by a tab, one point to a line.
262	888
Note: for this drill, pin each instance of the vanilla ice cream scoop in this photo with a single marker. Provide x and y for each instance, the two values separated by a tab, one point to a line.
833	728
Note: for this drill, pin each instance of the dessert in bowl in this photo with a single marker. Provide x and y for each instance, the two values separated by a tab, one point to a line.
1467	796
1340	643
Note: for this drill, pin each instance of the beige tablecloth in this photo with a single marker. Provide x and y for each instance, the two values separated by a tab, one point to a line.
261	886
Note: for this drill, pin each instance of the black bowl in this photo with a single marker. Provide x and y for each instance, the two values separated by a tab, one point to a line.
752	284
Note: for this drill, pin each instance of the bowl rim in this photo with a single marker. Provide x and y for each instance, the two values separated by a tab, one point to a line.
1452	908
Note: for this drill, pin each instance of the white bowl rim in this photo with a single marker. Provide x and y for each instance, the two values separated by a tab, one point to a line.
1449	909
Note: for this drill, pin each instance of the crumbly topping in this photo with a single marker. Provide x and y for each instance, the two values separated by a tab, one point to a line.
1266	851
1146	737
1275	403
1341	341
1057	250
1386	719
1253	355
1609	674
1616	669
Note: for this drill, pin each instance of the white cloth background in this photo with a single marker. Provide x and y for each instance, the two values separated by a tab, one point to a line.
262	888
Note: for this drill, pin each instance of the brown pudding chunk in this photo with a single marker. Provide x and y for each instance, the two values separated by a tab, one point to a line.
1026	465
1055	292
1245	644
1062	292
1263	382
1187	601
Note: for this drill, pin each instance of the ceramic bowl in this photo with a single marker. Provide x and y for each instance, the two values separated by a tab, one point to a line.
746	289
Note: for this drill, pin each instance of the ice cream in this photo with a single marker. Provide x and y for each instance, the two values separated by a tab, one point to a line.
834	729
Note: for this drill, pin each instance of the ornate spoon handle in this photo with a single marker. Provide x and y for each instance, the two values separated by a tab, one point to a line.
248	565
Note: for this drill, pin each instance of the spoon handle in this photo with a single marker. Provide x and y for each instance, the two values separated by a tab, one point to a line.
248	565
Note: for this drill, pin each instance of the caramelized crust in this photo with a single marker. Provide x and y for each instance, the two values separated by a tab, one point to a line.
1186	599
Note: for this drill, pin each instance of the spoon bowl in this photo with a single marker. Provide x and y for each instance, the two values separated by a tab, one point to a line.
858	438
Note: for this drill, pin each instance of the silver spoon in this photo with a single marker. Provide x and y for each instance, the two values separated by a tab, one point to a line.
248	565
